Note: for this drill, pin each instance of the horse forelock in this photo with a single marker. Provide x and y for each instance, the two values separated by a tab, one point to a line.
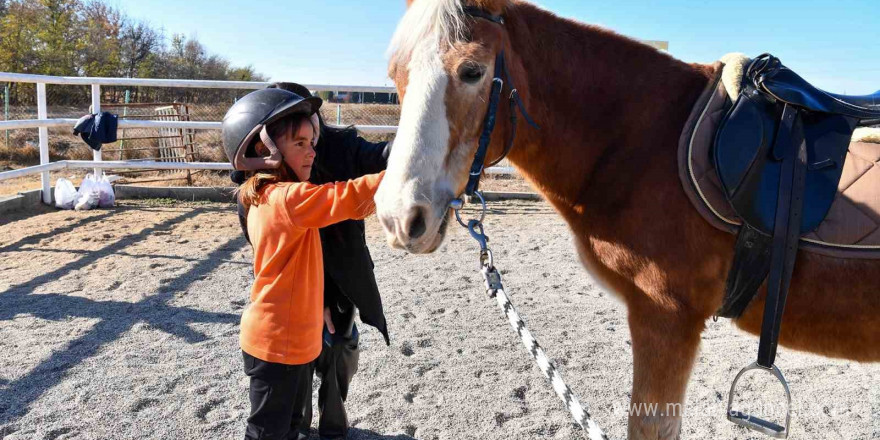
428	25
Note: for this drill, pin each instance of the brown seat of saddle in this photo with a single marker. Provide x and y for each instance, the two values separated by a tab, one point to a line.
851	229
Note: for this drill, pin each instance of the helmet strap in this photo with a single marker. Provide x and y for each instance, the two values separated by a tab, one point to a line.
275	158
316	128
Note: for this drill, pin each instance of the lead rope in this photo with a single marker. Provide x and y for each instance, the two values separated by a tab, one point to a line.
495	289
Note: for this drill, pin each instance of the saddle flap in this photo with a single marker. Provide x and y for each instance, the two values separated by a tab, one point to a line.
742	151
742	141
749	172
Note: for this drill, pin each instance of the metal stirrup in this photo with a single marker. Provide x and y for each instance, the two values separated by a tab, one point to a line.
755	423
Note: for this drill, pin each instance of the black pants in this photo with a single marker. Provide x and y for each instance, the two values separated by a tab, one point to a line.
281	395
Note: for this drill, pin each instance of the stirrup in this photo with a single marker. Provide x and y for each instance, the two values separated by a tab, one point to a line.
752	422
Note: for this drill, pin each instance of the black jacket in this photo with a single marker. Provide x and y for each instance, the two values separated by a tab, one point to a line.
343	155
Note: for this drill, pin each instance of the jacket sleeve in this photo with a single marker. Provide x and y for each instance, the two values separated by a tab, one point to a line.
317	206
369	157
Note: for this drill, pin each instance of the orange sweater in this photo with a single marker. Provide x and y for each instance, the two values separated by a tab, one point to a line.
284	320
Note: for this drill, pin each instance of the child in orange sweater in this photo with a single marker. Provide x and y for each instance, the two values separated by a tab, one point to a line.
281	329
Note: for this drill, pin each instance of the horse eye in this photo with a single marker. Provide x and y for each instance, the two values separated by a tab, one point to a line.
471	73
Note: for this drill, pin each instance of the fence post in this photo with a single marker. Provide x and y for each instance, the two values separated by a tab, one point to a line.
96	108
44	143
6	110
124	114
338	108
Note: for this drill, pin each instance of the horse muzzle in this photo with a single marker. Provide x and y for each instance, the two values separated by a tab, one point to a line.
417	228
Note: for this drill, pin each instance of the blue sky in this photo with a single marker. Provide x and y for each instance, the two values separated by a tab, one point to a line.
833	43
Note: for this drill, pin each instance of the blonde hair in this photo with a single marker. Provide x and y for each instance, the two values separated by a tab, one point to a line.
439	22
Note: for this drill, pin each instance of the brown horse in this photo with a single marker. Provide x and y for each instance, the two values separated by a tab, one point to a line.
611	111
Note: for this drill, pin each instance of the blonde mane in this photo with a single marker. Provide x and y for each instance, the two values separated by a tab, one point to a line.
438	23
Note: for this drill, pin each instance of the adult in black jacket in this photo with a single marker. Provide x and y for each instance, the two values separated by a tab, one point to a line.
349	282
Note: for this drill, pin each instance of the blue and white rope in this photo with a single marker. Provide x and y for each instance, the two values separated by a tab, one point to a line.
578	412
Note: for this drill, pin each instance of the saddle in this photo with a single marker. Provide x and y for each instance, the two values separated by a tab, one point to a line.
779	152
776	115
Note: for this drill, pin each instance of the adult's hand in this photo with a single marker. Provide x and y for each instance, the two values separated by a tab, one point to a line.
328	321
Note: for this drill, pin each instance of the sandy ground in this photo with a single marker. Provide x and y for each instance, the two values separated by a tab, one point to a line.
123	324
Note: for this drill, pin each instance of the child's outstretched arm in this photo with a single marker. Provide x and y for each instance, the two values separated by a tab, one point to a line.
317	206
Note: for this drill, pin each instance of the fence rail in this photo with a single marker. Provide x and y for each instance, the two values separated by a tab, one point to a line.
198	125
178	83
43	123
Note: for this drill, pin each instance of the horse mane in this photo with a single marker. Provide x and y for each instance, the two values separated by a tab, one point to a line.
440	22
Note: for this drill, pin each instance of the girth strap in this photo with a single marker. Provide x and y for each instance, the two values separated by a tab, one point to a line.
751	263
791	146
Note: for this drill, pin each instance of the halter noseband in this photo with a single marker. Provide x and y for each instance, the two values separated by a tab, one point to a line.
494	96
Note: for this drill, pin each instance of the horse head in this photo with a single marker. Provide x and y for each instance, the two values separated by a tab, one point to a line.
442	56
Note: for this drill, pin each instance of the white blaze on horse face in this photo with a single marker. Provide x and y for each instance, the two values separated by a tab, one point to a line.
416	181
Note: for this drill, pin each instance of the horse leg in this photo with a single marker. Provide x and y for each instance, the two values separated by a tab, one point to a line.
664	344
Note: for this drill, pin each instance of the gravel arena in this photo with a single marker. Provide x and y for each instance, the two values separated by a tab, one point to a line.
123	324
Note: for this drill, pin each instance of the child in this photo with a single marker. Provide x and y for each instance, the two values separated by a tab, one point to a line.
281	328
350	286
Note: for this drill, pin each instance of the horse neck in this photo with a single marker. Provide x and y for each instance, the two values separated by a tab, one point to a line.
598	97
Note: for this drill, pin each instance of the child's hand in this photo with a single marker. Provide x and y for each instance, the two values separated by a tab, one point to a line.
329	322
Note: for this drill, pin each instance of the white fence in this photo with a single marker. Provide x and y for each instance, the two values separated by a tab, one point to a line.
43	122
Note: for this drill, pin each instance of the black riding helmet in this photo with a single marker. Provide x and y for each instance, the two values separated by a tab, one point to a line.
249	117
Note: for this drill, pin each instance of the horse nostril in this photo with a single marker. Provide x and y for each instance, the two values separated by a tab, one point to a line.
416	226
387	223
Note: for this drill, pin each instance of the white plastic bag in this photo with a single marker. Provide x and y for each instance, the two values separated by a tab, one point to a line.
88	195
106	197
65	194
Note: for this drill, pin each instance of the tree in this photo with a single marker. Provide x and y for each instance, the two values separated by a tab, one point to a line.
59	37
18	34
102	37
92	38
138	42
246	73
